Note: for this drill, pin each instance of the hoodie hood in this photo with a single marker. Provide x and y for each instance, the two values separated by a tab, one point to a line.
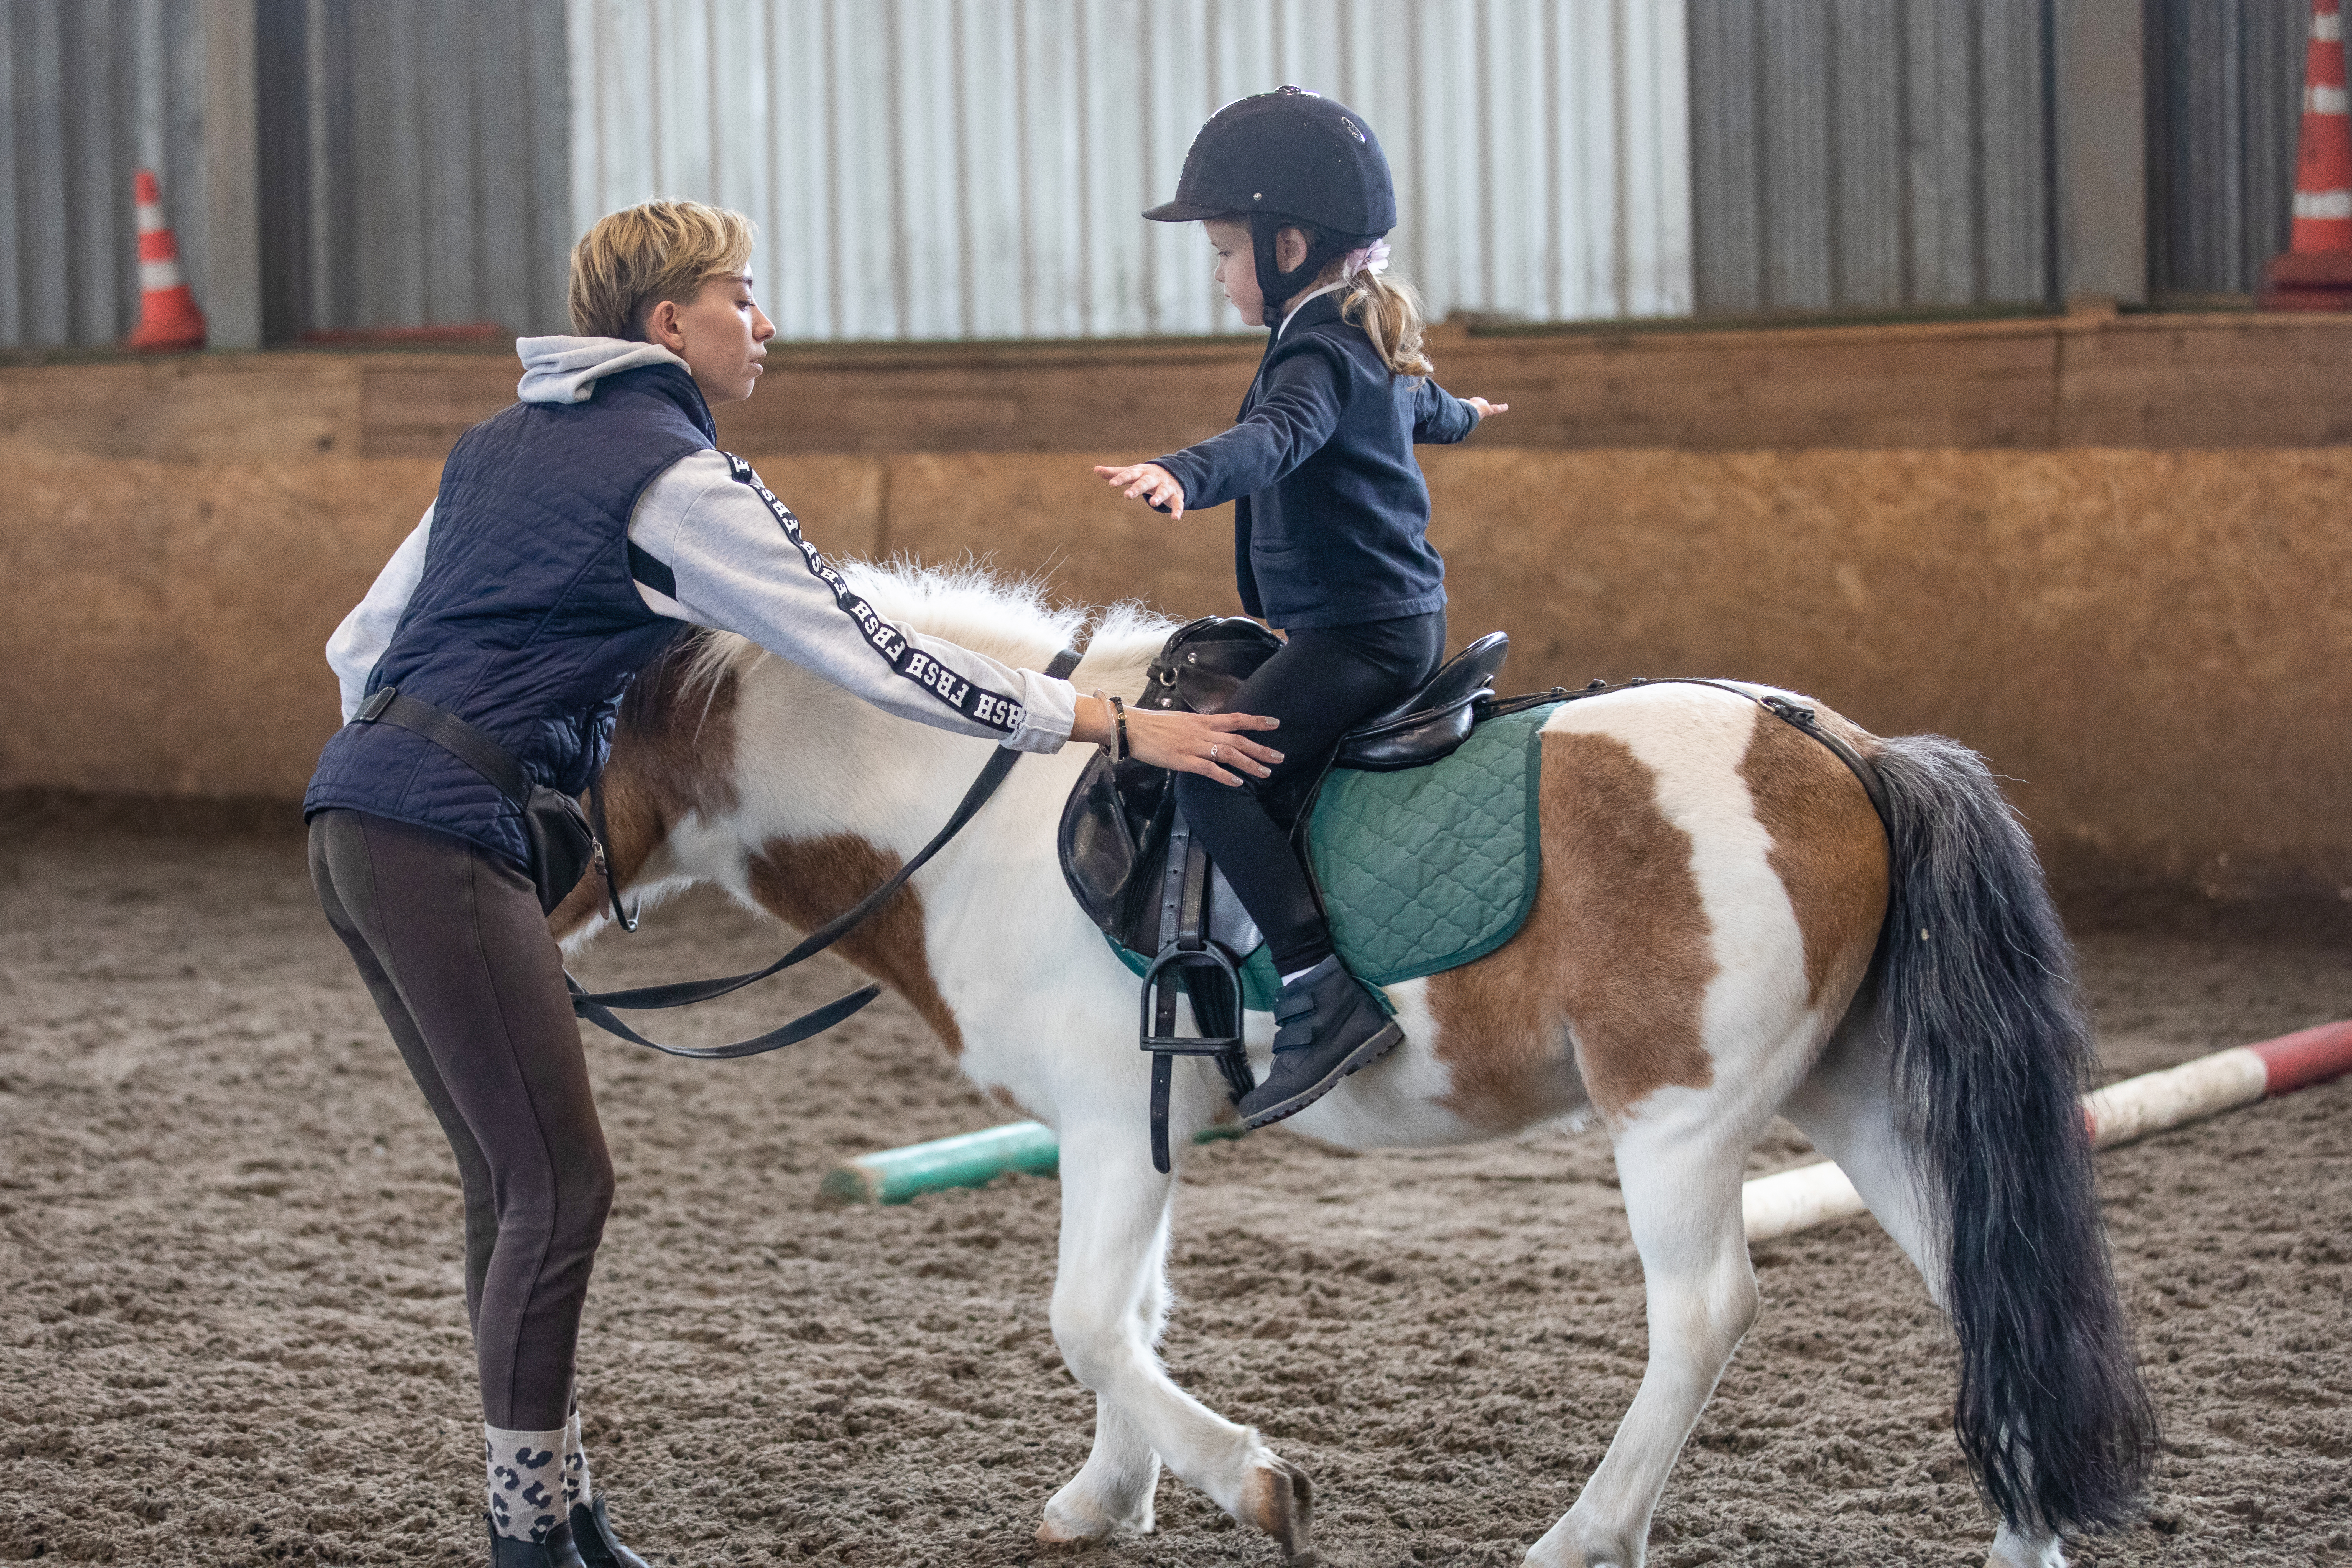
566	370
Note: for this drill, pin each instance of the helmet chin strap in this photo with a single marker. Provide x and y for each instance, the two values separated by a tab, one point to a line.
1277	287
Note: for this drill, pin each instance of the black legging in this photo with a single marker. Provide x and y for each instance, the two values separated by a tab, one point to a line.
1320	684
458	959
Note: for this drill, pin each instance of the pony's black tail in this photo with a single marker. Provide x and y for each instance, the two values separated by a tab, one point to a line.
1991	1050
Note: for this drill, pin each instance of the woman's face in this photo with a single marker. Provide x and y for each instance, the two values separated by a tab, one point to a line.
720	333
1237	268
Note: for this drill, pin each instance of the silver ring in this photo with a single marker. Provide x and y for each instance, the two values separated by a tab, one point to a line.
1212	754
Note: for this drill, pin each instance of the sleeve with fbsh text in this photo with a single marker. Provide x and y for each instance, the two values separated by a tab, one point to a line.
367	631
711	544
1295	414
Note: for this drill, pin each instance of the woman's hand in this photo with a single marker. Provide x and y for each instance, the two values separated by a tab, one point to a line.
1485	410
1149	482
1204	744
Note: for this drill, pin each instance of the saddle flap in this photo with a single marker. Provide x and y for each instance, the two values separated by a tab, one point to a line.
1113	843
1432	722
1097	844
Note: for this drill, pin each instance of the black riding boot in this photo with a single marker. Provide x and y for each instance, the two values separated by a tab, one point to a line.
1329	1026
599	1548
556	1551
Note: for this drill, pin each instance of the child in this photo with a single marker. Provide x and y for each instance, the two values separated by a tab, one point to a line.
1329	517
574	537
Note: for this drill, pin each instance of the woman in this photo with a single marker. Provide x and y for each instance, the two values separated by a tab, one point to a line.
570	537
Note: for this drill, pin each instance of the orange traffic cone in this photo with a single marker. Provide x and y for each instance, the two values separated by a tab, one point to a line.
2316	273
168	317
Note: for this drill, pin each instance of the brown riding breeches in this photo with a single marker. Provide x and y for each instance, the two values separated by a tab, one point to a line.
459	961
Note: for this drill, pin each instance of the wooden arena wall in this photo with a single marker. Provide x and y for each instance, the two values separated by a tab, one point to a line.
2114	555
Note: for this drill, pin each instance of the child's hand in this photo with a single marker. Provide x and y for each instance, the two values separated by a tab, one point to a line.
1149	482
1486	410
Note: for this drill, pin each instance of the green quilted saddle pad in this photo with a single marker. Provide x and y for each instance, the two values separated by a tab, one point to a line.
1424	869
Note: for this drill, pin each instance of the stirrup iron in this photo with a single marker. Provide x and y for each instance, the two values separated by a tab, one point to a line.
1204	971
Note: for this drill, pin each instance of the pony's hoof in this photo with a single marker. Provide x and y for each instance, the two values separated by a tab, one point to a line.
1281	1501
1072	1522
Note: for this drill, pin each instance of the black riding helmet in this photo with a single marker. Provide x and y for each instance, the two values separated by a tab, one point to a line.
1289	158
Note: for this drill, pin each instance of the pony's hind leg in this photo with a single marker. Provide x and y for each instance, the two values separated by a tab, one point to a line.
1108	1295
1846	1107
1681	1186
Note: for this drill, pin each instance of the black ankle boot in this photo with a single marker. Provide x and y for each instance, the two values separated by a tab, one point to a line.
598	1546
1330	1026
554	1551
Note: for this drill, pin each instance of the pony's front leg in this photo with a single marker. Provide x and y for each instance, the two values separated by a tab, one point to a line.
1109	1302
1114	1491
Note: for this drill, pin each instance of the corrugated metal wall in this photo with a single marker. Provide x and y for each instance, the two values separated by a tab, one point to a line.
416	164
954	168
1860	153
2225	104
974	168
89	91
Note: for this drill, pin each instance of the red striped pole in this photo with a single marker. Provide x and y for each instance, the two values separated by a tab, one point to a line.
1815	1194
2316	273
2304	1058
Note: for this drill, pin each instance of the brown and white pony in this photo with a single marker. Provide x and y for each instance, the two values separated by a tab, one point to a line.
1722	933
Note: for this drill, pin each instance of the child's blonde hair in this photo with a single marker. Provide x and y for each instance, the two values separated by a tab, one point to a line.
636	257
1389	309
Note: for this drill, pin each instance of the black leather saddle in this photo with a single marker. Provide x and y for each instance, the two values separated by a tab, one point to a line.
1116	826
1135	868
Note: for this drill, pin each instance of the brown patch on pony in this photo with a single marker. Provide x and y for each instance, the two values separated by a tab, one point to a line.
1828	848
673	753
1615	949
805	882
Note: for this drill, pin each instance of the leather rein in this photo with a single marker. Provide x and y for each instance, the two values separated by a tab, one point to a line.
597	1006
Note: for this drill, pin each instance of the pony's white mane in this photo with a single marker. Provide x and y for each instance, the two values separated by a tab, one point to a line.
970	605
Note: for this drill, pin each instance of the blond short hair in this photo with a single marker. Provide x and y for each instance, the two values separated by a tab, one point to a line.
636	257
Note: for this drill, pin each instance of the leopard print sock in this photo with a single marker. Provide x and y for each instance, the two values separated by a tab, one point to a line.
577	1493
525	1481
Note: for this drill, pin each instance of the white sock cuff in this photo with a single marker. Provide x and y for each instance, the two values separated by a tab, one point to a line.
525	1483
577	1491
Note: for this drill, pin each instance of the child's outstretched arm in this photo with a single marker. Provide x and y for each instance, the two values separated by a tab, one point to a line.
1146	481
1440	418
1294	415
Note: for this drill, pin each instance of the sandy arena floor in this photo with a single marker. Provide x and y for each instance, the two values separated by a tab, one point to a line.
231	1328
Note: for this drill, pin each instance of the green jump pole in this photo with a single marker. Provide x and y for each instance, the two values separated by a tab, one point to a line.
966	1160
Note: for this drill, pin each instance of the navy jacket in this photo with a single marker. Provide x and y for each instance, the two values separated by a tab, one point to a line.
526	622
1331	509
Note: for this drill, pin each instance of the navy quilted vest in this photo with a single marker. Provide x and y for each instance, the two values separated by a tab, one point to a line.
525	622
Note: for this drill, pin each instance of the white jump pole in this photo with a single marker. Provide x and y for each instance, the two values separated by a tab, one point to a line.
1816	1194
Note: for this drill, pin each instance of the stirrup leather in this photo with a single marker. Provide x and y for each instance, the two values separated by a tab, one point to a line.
1204	971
